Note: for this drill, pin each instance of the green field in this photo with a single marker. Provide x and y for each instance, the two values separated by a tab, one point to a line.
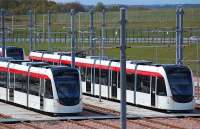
148	23
137	19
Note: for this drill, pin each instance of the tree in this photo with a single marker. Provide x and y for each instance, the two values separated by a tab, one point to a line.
74	5
100	6
40	6
114	8
8	4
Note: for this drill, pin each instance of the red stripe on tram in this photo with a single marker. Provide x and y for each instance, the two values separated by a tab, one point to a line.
117	69
34	58
51	60
25	73
3	69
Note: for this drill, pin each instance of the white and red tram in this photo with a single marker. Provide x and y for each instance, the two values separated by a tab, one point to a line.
49	89
166	87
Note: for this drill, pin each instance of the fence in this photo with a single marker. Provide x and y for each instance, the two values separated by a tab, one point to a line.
151	34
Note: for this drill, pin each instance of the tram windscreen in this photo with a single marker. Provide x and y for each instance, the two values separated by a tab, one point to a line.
15	53
180	82
68	86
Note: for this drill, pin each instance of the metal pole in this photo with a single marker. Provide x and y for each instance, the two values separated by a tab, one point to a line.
30	30
81	33
12	23
177	35
103	31
91	32
43	25
3	31
123	68
101	52
34	13
49	29
72	38
100	75
181	13
79	24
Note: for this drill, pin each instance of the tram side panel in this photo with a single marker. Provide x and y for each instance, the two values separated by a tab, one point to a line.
3	81
3	85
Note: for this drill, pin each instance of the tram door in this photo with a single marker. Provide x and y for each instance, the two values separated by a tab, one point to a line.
153	90
11	87
88	80
114	84
42	90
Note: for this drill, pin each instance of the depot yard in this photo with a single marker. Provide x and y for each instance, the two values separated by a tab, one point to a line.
139	21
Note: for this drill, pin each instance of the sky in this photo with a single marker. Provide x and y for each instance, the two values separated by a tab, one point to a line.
133	2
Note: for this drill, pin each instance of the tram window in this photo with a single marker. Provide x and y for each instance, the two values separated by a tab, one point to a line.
104	77
34	86
83	71
88	74
68	65
161	88
118	76
143	84
138	87
56	63
153	82
20	83
42	88
130	81
3	79
15	53
114	78
48	90
12	76
50	62
97	76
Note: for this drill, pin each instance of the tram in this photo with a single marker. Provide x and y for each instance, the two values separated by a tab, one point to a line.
167	87
13	52
35	85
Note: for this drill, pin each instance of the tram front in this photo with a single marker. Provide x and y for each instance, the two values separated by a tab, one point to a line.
68	87
181	87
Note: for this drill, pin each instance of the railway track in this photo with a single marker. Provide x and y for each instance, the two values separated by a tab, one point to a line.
163	124
94	124
31	125
194	119
8	126
100	109
5	125
142	124
5	116
155	124
23	124
82	124
106	124
152	123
